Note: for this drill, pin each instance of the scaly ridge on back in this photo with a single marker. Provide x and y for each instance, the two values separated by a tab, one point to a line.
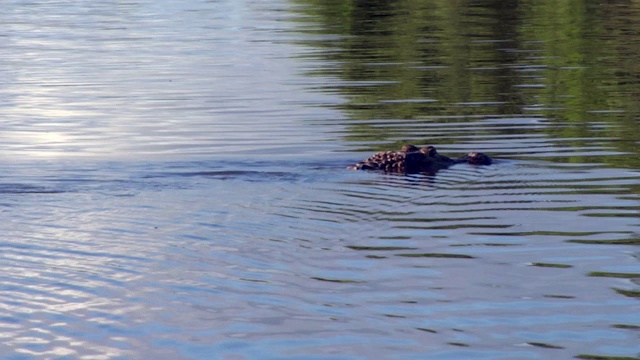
411	159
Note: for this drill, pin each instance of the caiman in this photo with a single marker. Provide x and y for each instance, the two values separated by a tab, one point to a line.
411	159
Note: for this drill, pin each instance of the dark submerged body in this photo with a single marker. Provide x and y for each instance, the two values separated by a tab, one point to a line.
412	159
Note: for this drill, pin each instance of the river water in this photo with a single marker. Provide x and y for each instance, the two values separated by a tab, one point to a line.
173	182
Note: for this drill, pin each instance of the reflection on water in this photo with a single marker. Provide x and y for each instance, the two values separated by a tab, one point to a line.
144	79
439	71
173	182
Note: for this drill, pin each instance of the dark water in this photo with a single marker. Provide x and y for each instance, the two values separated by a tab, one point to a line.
173	180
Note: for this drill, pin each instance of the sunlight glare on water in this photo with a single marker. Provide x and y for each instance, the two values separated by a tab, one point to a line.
145	79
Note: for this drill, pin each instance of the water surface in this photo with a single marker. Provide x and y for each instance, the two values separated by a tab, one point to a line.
173	181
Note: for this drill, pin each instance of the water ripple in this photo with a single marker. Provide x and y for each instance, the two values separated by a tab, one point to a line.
173	182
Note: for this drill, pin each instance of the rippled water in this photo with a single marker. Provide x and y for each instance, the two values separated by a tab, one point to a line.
173	181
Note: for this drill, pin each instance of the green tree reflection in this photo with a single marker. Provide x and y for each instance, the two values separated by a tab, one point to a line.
571	63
